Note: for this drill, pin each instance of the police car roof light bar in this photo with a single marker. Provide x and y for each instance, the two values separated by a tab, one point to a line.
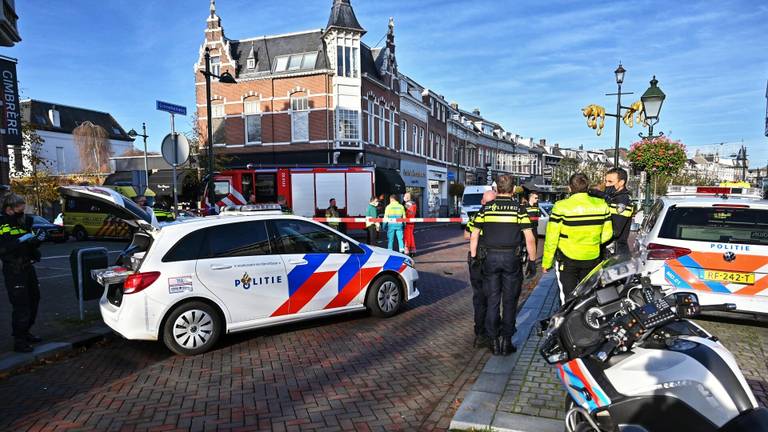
722	191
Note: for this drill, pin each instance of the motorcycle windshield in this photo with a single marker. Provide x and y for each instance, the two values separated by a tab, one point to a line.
623	264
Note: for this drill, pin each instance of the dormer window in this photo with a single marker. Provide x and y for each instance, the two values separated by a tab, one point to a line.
295	62
251	64
54	117
216	65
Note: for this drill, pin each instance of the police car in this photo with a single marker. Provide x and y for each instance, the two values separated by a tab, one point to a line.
713	241
191	281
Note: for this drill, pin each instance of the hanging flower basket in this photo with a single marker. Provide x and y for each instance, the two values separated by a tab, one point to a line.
659	155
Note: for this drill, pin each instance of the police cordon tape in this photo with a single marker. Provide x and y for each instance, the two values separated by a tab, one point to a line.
385	220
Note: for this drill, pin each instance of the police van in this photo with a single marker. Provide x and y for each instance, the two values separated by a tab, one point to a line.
189	282
713	241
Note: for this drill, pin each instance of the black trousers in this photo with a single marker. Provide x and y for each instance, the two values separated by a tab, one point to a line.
570	272
502	280
371	234
479	302
24	295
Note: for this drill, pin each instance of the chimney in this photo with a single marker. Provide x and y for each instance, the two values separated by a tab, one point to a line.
557	145
476	112
543	142
455	106
581	146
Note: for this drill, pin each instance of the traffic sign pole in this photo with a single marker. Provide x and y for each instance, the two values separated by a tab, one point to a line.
175	159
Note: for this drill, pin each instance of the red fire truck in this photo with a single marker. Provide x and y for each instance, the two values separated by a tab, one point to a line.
305	190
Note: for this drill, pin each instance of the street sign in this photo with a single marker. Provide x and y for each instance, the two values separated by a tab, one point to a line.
10	123
171	108
175	152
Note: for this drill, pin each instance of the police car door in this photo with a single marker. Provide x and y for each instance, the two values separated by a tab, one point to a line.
323	268
241	270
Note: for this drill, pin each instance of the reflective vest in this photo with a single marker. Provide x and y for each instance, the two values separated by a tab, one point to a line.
163	215
394	210
578	227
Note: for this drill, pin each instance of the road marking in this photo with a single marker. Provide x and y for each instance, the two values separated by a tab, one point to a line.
67	256
53	277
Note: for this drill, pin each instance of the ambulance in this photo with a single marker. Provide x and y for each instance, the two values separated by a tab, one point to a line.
713	241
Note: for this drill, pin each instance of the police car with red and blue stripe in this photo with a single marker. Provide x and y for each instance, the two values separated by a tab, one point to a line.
190	282
711	240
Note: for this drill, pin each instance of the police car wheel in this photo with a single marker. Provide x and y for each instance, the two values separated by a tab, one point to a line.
192	328
385	296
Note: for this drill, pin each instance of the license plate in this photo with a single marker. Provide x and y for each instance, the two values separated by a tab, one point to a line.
722	276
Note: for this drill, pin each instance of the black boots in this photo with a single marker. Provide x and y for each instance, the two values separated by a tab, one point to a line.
22	344
507	347
502	346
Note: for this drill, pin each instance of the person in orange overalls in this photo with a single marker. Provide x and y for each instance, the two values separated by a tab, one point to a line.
411	210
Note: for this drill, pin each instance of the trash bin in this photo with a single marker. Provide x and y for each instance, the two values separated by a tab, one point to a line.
91	259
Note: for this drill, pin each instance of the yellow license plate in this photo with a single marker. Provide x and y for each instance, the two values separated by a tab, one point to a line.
739	278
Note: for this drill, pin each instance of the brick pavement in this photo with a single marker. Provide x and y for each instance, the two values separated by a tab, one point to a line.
350	372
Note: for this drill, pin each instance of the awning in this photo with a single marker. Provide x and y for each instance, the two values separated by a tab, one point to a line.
388	181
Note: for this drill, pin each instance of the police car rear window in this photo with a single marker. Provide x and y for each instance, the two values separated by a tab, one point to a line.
472	199
716	224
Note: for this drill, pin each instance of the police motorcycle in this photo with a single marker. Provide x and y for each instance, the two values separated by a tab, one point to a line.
632	361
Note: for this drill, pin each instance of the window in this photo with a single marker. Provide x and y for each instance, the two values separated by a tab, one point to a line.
370	121
716	224
216	65
251	64
59	160
382	127
219	131
247	182
240	239
403	134
431	148
301	237
347	124
295	62
392	128
217	110
421	141
300	119
221	189
191	247
346	61
432	106
415	141
251	109
266	190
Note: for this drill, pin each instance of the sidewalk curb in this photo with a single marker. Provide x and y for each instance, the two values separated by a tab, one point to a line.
478	409
12	362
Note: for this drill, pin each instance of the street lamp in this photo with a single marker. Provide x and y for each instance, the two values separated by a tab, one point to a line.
225	78
652	100
133	134
619	72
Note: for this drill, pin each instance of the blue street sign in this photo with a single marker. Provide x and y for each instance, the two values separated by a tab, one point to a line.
171	108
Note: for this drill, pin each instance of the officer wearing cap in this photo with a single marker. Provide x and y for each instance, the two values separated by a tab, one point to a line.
495	241
479	302
19	251
619	200
578	228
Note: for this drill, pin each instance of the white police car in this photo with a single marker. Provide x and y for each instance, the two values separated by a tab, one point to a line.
713	241
188	283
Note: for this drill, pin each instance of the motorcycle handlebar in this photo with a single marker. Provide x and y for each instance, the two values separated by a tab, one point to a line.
725	307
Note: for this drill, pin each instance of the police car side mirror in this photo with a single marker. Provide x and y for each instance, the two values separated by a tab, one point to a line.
345	247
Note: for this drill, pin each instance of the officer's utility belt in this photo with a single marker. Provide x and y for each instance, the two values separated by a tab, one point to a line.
17	265
498	249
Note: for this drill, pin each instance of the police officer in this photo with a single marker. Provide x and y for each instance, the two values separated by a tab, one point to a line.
18	251
578	228
534	213
619	200
496	241
479	302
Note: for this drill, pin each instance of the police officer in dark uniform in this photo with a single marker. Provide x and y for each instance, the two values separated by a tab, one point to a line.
479	302
619	201
19	251
496	242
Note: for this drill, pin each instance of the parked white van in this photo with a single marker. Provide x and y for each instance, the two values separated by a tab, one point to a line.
470	202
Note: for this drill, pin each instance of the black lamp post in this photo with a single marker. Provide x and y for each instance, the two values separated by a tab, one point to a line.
619	73
225	78
133	134
652	99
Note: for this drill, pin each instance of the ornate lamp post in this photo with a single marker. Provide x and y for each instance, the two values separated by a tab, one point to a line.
652	100
225	78
133	134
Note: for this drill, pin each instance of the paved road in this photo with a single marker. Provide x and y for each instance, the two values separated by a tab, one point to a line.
59	310
349	372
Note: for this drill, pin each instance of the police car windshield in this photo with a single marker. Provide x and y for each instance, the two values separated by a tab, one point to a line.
472	199
716	224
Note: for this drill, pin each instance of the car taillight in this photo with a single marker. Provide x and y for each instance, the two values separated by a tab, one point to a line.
138	281
664	252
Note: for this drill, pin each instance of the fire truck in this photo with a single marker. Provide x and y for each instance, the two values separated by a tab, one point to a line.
305	190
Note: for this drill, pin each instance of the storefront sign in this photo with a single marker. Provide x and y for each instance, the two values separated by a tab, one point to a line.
413	173
10	126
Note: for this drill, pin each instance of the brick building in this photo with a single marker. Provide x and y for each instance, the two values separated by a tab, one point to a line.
325	97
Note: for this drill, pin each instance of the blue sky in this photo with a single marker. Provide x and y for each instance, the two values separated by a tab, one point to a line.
528	65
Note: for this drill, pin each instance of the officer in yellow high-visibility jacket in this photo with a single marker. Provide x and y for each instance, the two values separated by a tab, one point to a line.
394	210
578	228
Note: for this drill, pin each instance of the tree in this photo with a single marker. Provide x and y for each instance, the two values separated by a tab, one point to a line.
93	147
564	170
34	179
